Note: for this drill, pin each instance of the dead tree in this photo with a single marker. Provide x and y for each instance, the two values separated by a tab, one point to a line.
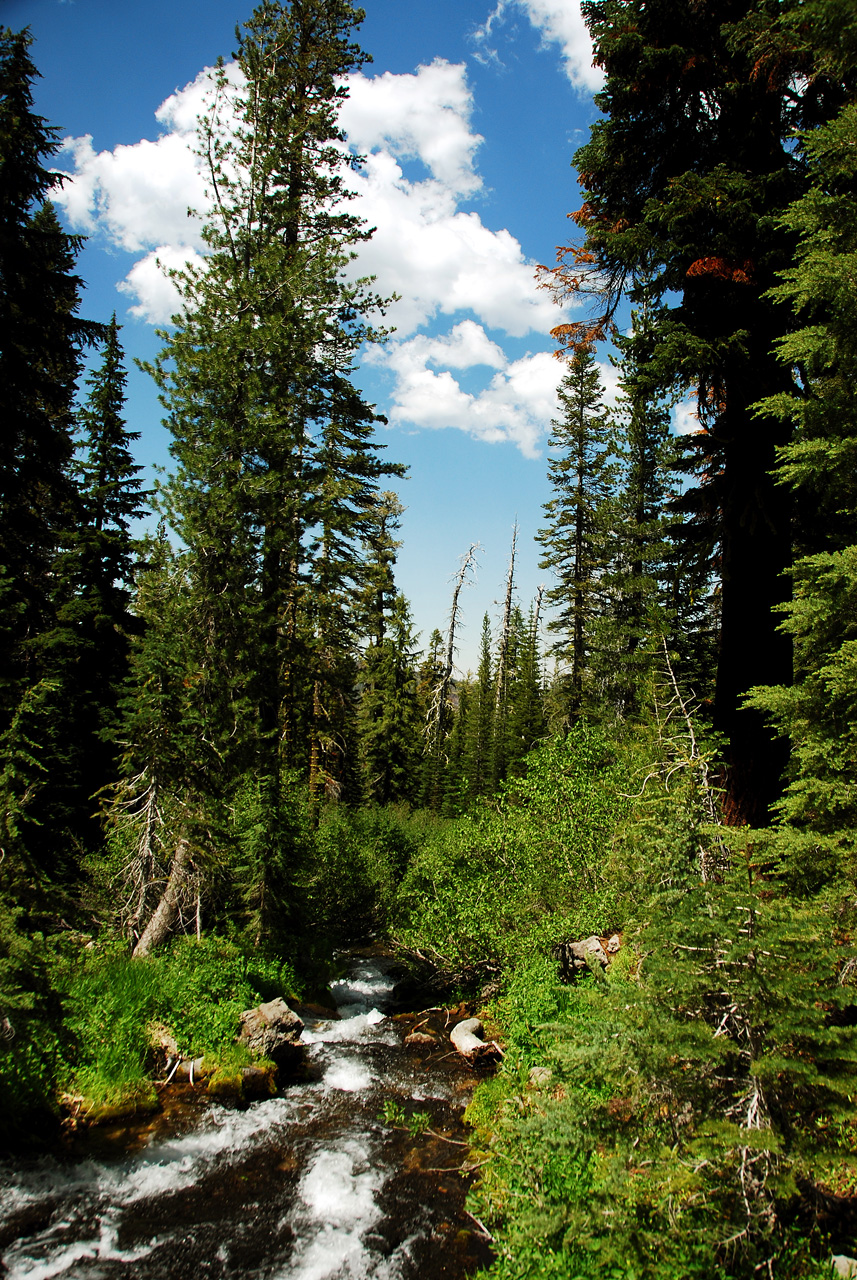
437	718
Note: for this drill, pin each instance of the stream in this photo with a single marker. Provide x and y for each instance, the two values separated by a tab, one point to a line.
309	1185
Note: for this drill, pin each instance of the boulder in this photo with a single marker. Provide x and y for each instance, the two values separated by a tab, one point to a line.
576	957
273	1031
843	1265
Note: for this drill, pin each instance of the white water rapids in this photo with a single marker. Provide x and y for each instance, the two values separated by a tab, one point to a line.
310	1185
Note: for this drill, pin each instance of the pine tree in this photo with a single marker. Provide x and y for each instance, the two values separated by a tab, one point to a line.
41	339
87	649
643	561
390	724
684	178
434	714
525	724
41	343
277	471
580	472
819	713
480	727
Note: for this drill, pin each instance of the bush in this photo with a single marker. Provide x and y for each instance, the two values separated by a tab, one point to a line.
522	873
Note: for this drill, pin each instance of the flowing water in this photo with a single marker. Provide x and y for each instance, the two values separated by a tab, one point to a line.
311	1185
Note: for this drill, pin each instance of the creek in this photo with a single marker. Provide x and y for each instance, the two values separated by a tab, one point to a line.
309	1185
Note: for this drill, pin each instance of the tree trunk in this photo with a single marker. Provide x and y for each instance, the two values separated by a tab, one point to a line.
167	909
756	550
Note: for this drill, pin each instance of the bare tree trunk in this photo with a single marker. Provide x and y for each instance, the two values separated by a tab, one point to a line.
167	909
438	714
537	610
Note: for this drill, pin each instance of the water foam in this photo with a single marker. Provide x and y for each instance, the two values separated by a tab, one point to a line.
338	1208
348	1074
22	1260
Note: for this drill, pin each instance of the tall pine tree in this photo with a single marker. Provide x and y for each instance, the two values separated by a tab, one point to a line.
683	178
581	475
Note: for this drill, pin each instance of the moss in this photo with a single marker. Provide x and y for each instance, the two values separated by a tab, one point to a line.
117	1104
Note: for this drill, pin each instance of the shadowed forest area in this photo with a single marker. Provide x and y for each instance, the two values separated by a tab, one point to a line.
225	755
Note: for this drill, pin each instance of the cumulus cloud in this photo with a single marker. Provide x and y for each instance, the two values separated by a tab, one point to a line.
135	193
515	406
559	22
423	117
437	255
440	259
150	282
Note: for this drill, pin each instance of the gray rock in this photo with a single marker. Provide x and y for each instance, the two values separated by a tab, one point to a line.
540	1076
575	957
273	1031
844	1266
614	944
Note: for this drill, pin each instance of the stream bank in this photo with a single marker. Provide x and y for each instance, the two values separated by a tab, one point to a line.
310	1185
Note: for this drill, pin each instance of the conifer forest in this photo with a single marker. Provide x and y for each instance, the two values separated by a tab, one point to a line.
628	839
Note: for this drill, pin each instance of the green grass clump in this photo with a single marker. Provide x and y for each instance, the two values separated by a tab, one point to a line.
196	990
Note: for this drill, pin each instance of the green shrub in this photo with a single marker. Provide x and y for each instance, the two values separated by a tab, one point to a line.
518	875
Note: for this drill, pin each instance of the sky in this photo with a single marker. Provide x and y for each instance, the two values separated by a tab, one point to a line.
468	117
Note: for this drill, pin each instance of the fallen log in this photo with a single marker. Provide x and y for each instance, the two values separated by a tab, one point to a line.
467	1038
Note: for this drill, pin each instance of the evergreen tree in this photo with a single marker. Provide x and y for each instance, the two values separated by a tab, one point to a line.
684	178
819	713
390	725
41	338
41	342
526	717
159	809
87	649
581	476
277	471
434	712
480	727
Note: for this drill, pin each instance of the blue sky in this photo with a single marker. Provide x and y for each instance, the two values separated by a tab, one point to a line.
470	114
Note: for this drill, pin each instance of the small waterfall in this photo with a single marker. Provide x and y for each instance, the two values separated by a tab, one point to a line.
310	1185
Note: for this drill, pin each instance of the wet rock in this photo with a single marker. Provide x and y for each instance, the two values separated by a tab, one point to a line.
244	1082
273	1031
420	1037
309	1010
139	1102
577	957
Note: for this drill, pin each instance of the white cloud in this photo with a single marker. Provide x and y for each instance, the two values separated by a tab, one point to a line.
139	195
422	117
560	22
685	418
135	193
158	299
516	406
440	258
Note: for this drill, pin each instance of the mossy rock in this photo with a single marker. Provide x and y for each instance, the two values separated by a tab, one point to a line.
141	1101
227	1083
